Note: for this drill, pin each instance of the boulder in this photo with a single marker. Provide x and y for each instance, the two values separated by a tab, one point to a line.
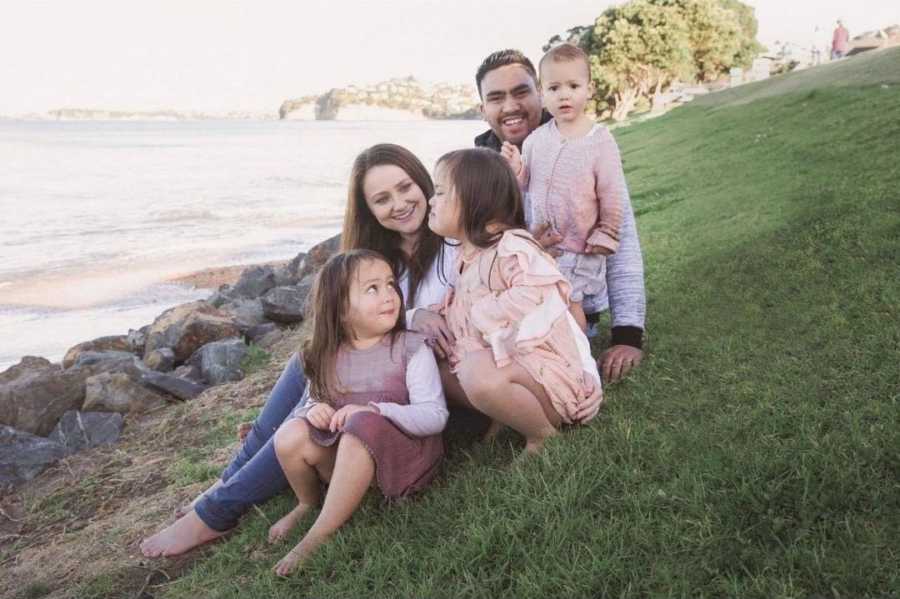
81	430
254	334
117	392
179	388
246	313
318	256
111	343
220	296
220	361
189	372
34	394
90	363
161	360
188	327
23	455
289	274
254	282
287	304
137	339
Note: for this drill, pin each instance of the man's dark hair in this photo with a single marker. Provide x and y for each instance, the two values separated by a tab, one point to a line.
501	58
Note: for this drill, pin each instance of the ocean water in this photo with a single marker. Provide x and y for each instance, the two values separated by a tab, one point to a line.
96	218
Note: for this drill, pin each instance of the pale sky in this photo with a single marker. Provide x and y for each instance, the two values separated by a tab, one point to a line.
217	55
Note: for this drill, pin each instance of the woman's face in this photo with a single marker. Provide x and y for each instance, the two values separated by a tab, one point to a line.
393	198
444	217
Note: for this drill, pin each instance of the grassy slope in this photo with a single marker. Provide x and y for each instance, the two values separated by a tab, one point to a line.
756	451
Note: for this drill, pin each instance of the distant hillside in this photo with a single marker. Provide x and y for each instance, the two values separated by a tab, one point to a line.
396	99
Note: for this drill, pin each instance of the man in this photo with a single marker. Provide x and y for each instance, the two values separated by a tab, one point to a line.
840	41
511	105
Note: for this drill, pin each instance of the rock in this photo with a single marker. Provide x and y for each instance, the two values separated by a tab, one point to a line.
188	327
90	363
23	455
220	362
137	339
34	393
117	392
246	313
189	372
289	274
318	256
254	282
220	296
254	334
161	360
287	304
180	388
111	343
81	430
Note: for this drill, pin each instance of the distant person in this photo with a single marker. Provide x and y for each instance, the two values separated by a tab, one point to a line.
572	173
511	104
840	41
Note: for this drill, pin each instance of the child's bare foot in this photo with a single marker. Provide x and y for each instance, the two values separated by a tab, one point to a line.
184	534
243	430
286	524
492	431
184	509
296	556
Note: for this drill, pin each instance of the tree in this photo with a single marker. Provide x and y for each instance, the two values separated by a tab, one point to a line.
638	49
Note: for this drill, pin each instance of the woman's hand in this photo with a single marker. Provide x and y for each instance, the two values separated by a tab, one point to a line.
339	418
320	415
434	326
590	405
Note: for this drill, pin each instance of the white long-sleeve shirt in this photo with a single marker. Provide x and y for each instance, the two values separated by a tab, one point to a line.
434	285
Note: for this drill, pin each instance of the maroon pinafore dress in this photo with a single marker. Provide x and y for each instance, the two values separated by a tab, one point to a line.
404	464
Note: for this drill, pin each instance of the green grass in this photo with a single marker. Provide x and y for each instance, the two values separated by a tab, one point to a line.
756	453
255	359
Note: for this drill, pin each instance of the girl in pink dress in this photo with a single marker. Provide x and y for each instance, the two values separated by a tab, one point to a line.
375	409
519	355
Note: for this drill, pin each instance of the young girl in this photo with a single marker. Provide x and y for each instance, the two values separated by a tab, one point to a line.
375	408
572	173
519	356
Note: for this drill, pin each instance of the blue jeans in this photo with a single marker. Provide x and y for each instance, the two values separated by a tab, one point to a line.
254	475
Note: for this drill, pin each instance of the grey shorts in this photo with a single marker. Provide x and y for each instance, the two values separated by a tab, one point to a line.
585	272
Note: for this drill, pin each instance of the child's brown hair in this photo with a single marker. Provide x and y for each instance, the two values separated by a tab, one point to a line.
327	331
487	191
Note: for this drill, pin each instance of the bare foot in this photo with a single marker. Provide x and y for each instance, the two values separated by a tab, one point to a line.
286	524
181	511
492	431
184	534
296	556
243	430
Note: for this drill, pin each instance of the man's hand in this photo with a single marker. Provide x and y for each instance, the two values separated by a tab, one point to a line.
617	361
514	158
339	419
548	237
434	326
320	415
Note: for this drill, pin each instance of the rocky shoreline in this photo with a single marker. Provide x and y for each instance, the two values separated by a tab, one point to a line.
51	410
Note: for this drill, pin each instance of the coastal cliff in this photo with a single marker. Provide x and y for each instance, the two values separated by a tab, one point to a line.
395	99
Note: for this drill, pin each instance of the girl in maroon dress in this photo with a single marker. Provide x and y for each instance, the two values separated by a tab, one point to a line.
376	408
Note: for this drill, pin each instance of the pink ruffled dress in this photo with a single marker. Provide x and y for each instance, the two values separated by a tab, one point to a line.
512	299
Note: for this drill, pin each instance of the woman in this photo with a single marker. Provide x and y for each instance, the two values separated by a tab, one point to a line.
386	212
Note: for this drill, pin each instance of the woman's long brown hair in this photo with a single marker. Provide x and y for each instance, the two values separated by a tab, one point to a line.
362	230
327	328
